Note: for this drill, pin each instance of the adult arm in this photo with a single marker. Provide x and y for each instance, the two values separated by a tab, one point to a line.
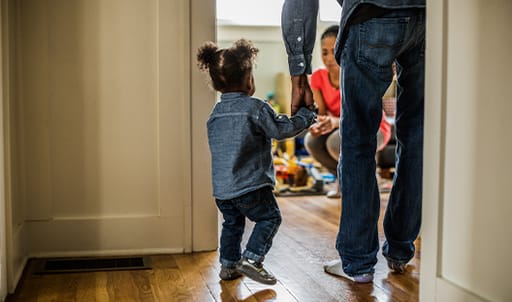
298	25
319	100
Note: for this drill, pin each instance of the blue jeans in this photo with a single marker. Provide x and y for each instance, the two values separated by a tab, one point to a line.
368	54
259	206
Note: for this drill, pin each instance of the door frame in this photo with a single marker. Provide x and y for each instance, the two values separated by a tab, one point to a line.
433	285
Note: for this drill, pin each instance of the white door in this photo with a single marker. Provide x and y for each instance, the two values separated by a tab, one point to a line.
467	230
106	128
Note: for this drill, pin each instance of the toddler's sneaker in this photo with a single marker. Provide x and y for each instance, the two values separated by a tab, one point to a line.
335	267
395	266
229	273
255	271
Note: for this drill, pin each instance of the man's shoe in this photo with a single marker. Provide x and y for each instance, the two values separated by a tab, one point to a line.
229	273
397	267
255	271
335	267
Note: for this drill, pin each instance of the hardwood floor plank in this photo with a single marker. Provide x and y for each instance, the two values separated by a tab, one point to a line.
142	281
193	279
170	281
101	288
123	288
48	291
231	291
85	289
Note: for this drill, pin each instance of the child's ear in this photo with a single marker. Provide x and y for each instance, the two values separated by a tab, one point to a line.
250	85
249	82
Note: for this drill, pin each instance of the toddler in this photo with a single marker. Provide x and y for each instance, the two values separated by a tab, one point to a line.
240	133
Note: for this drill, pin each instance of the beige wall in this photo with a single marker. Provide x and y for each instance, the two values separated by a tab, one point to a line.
466	243
3	241
476	253
106	145
272	58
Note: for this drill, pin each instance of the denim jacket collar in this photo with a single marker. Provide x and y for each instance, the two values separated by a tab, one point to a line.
230	96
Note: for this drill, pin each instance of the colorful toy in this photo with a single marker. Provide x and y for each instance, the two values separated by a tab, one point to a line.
297	177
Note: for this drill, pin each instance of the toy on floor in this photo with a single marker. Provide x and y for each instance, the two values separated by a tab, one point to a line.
297	177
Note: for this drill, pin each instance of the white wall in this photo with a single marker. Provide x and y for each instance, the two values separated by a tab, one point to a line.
272	58
467	242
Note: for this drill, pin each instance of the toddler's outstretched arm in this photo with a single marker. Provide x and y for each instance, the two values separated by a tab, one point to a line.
280	126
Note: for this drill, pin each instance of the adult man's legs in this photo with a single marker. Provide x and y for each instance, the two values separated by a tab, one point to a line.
364	83
403	215
370	49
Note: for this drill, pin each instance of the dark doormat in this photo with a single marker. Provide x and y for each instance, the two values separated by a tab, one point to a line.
91	264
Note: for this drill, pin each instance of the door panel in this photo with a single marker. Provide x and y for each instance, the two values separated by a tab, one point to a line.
102	126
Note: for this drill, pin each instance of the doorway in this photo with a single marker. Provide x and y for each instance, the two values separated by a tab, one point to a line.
313	238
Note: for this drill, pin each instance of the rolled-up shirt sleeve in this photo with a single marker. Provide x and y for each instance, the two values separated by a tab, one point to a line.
298	25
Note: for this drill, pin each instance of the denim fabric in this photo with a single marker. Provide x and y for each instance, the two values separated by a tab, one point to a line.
371	48
350	7
299	20
259	206
298	25
240	133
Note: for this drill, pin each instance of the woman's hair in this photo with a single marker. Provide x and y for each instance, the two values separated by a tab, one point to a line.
331	31
227	67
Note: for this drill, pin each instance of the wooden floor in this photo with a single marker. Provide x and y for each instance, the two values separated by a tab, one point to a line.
304	241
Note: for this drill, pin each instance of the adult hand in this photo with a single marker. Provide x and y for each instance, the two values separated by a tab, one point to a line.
302	96
325	124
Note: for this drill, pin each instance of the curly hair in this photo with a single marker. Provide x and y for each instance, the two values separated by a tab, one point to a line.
227	67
